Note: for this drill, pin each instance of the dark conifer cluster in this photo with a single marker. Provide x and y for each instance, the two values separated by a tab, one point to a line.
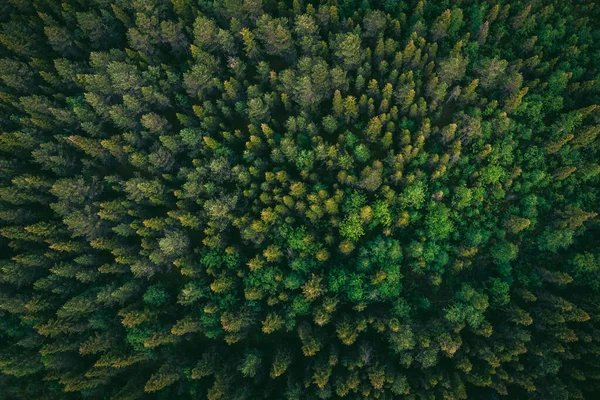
262	199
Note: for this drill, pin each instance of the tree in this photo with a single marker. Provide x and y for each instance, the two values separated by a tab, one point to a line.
348	50
276	38
439	29
272	323
438	221
250	45
251	364
350	109
351	227
165	376
281	362
516	224
453	68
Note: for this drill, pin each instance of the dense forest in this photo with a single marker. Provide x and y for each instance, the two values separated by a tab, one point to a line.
262	199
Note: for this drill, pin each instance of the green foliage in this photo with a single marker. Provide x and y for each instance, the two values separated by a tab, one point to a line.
414	195
438	222
244	199
250	365
156	295
351	227
504	252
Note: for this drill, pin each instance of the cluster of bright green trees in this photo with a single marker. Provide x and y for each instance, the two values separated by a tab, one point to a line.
262	199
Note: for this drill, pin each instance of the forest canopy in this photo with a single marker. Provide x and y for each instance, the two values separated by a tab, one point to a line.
262	199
